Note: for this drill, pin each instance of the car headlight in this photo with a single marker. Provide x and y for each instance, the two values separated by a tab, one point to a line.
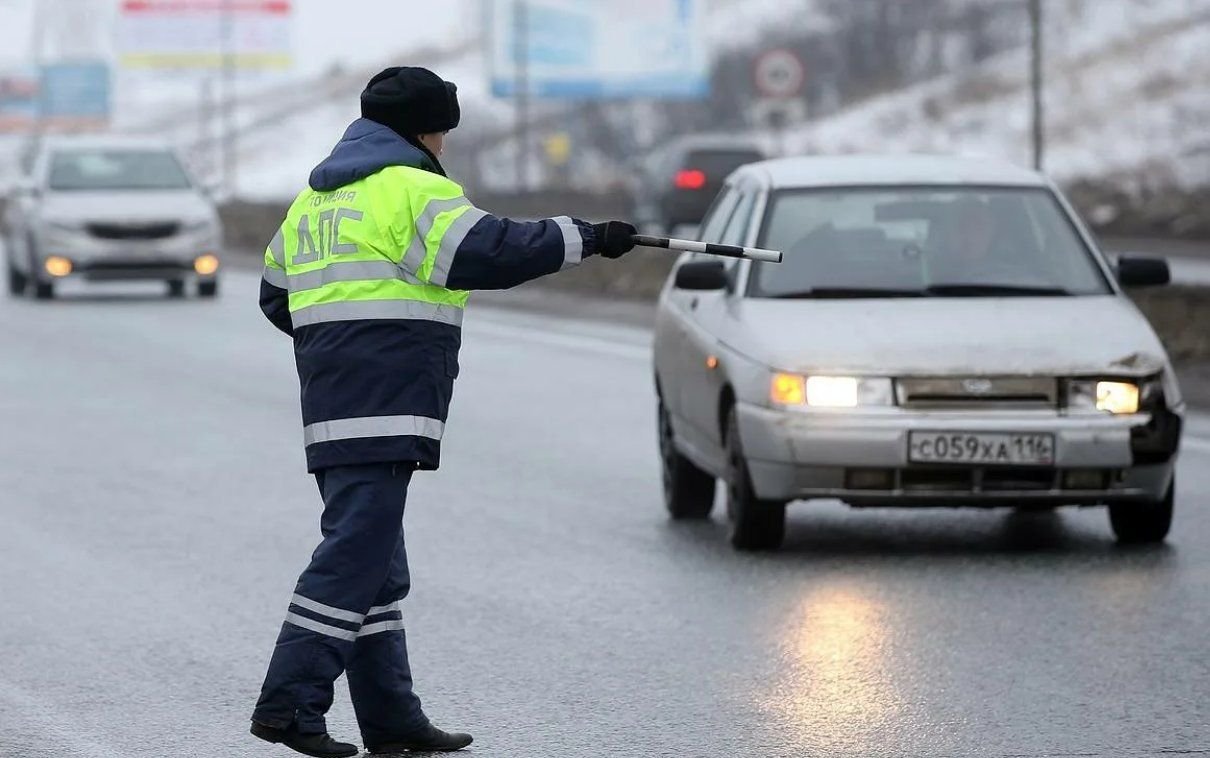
1116	397
830	391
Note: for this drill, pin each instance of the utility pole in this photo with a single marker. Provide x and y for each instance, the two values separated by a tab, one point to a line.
228	127
521	71
38	56
1036	86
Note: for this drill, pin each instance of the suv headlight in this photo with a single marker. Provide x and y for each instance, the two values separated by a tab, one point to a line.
1116	397
830	391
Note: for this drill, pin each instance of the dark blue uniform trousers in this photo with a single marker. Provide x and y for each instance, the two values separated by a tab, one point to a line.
344	616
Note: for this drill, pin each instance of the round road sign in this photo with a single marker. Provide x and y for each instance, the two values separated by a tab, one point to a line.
780	73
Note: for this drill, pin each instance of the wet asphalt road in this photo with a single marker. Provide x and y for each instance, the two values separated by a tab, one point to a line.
154	512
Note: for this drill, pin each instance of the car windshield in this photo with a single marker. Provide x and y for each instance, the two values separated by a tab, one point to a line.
922	242
116	170
718	163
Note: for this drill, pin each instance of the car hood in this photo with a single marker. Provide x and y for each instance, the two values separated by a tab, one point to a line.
127	206
940	336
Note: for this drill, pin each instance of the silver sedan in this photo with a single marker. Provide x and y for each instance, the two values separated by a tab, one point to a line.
943	332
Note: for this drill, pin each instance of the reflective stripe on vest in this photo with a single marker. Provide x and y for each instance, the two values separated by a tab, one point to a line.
447	248
342	271
275	276
386	310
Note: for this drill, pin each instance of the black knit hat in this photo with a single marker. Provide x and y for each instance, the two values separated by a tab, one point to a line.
411	101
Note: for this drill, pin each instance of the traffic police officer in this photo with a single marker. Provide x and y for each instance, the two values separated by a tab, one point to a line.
370	274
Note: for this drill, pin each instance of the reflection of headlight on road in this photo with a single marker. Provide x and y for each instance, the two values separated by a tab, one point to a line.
830	391
1109	397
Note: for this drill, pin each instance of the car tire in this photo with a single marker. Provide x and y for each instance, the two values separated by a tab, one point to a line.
688	491
176	288
1143	523
207	289
17	281
756	525
44	290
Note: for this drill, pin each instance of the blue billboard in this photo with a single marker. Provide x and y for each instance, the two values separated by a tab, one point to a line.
18	99
75	94
587	49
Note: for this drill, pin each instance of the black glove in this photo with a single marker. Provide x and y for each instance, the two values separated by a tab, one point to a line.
614	238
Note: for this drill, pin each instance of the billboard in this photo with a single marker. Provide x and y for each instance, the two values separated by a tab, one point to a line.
75	95
197	34
18	99
588	49
65	96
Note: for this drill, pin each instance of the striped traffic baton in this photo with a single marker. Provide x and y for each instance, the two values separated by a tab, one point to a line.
726	251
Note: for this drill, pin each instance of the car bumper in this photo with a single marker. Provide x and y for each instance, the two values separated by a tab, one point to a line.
128	266
862	457
100	259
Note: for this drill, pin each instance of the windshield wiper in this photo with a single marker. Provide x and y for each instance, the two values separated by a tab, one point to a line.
843	293
1010	290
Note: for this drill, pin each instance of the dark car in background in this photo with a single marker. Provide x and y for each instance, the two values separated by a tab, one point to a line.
679	181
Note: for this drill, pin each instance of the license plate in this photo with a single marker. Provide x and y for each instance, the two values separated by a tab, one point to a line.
981	448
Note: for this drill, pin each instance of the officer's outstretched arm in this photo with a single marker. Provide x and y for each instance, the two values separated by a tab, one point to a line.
479	251
274	291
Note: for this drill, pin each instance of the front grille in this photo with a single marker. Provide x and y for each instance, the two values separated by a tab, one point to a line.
1017	479
938	480
962	480
131	270
977	392
142	231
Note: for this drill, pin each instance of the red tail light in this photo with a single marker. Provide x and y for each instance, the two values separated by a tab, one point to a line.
690	179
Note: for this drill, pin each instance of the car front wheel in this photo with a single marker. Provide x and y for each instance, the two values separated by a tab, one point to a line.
755	524
17	281
1143	523
688	491
207	289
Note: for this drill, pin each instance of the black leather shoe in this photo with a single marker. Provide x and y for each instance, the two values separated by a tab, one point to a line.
431	741
314	745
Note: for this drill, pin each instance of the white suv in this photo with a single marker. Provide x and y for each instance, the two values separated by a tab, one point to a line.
105	209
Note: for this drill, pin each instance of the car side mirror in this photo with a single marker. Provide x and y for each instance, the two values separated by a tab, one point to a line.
702	276
1143	272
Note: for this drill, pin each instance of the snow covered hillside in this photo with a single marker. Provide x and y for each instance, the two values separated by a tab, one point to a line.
1127	99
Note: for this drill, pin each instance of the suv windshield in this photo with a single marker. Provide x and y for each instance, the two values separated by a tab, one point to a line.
116	170
921	242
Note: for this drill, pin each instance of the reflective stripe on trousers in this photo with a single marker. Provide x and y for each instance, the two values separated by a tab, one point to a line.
373	426
329	629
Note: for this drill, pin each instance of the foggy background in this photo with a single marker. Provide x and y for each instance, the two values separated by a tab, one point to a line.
1125	92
